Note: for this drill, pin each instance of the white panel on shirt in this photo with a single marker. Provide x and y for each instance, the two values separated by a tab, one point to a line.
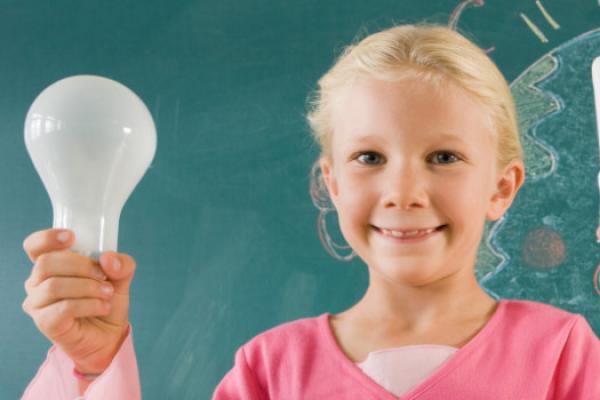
400	369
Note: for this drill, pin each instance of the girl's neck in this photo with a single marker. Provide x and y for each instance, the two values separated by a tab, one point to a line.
370	326
420	308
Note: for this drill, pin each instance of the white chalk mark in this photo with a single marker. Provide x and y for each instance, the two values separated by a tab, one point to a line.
550	20
597	280
455	16
458	10
596	86
534	29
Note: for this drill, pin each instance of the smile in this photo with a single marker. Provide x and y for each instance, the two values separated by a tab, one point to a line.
408	237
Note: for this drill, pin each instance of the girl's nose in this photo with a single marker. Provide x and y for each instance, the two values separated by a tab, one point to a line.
405	190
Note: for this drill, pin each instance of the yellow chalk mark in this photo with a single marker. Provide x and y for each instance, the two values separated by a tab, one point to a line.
537	32
550	20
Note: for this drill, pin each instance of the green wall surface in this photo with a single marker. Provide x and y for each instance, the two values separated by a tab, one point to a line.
222	225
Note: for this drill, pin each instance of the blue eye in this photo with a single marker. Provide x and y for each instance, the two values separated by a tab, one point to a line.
369	158
445	157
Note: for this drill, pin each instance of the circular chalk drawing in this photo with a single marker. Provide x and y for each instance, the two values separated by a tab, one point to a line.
543	248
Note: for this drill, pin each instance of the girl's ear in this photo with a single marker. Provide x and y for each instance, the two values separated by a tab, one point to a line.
507	187
329	177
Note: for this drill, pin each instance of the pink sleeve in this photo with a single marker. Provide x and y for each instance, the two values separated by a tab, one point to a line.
55	379
578	369
239	383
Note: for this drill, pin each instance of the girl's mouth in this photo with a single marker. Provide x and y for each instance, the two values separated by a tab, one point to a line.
409	237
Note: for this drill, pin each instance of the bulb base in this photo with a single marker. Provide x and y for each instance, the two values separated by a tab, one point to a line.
94	233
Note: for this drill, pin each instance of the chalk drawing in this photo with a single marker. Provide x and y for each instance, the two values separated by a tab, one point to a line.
546	15
457	12
596	86
537	31
534	28
597	281
542	235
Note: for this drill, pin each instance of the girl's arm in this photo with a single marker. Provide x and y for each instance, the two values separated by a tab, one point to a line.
56	380
240	383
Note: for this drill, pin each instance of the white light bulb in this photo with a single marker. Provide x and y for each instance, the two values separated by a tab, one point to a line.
91	140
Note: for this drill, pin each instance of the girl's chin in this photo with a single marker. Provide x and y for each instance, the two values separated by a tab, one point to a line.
403	275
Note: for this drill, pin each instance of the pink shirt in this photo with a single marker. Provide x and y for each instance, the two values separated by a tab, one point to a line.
55	379
527	350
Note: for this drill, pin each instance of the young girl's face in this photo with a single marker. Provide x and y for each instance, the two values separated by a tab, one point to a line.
404	158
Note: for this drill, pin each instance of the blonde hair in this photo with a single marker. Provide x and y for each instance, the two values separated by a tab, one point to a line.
434	53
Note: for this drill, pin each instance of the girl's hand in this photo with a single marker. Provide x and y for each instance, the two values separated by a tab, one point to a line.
67	303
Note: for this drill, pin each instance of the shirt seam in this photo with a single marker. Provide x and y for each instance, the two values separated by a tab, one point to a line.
255	387
559	355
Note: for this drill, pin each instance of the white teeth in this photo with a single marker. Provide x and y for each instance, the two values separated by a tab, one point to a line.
407	234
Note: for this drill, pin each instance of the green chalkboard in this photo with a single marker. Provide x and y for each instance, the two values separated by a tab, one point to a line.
222	226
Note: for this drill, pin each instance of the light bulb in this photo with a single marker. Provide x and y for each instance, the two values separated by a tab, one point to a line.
91	140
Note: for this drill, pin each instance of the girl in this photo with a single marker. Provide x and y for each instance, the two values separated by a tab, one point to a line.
420	146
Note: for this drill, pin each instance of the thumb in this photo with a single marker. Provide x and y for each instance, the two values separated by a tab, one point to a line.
119	269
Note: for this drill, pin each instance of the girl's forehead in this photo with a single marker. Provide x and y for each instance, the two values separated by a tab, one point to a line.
407	113
371	94
368	109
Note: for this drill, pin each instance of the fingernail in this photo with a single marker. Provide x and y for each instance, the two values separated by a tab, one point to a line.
117	265
108	290
64	236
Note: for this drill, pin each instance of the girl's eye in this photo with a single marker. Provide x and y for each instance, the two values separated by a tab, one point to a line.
374	158
445	157
369	158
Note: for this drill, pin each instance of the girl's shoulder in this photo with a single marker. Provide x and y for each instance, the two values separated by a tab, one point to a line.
533	318
299	330
529	308
287	343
